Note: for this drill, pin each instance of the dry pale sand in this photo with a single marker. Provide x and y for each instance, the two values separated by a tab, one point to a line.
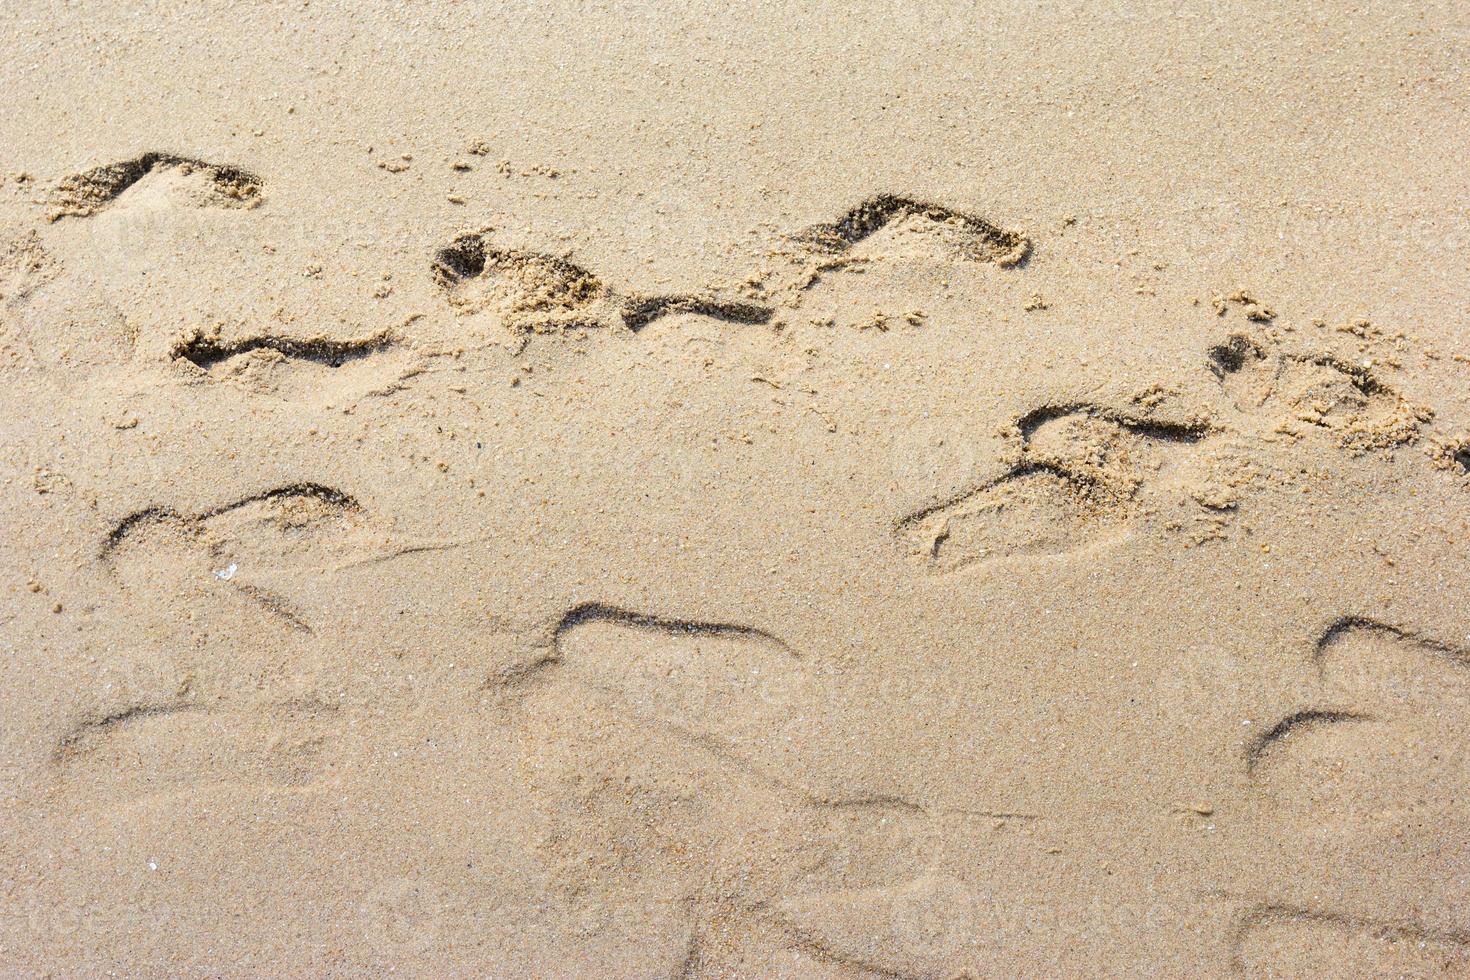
574	490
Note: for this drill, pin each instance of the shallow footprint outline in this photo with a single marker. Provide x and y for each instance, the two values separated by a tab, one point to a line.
1337	762
724	690
213	552
152	745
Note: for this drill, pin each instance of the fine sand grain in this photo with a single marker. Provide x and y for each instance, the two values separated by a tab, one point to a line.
842	491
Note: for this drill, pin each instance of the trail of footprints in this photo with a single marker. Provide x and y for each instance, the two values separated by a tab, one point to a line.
1079	475
846	874
535	293
723	690
1293	941
1380	737
531	292
539	293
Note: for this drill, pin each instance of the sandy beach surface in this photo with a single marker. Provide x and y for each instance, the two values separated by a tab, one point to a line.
839	491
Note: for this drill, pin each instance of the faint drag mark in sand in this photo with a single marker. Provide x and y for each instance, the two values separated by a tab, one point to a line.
927	928
27	334
208	184
314	368
847	871
536	293
85	734
1079	476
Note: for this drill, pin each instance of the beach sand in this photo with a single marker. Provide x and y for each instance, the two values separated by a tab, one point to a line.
581	490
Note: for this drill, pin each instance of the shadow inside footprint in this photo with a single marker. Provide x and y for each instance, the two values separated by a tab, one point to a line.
926	927
968	234
314	369
87	193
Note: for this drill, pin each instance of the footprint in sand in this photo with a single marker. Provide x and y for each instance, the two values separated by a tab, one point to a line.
1370	776
232	581
25	266
152	746
45	321
1080	476
1285	941
531	292
898	244
318	370
534	293
151	180
151	224
251	579
889	222
685	785
1298	395
227	566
